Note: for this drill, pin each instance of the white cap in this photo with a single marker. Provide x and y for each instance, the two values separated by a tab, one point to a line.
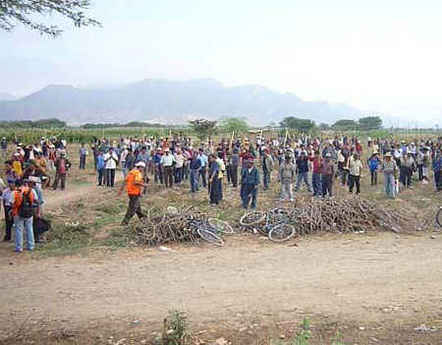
140	164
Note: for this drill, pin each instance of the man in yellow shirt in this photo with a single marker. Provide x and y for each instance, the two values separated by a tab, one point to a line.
134	184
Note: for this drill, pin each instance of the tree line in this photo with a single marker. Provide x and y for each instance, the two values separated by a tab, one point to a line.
42	124
367	123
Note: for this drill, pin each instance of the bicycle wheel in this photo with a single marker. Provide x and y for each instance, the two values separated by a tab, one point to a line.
210	236
220	226
252	218
281	232
439	217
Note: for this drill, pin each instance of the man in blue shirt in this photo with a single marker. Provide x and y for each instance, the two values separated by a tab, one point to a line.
204	163
195	166
101	169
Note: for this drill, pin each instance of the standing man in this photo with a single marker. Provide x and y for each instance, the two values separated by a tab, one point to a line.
22	211
204	163
62	166
373	164
111	161
134	184
234	164
83	153
355	171
249	185
7	205
101	169
302	167
267	167
4	147
167	162
389	168
327	174
214	180
195	166
287	175
316	174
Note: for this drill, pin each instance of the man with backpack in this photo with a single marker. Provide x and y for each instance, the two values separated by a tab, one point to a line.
23	199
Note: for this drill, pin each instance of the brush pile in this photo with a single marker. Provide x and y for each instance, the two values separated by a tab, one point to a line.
328	215
161	227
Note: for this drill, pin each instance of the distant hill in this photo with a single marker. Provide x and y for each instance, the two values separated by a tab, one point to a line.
6	96
166	101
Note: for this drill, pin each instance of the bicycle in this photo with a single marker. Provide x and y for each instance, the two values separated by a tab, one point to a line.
207	232
274	224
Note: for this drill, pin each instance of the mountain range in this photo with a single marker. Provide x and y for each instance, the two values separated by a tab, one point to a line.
164	101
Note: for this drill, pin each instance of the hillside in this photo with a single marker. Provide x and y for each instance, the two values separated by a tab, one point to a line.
167	102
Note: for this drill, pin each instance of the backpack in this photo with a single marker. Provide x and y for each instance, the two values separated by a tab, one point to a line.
26	210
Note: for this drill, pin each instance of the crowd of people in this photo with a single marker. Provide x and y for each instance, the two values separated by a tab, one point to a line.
318	164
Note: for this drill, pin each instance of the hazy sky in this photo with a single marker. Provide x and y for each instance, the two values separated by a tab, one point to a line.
380	55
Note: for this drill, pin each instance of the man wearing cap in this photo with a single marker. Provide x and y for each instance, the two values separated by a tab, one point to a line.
373	164
134	184
62	165
389	168
168	162
249	185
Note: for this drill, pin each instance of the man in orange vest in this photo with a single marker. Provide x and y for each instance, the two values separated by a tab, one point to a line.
134	183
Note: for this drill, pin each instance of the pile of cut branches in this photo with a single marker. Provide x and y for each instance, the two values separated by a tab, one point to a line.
160	227
352	214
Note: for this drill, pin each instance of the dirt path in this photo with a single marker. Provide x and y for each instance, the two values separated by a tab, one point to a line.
365	278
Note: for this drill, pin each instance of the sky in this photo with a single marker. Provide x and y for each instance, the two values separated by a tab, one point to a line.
379	56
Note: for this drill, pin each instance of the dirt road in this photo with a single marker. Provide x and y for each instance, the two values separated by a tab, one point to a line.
365	278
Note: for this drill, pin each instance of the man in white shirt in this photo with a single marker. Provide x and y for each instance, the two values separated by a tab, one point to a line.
167	162
111	161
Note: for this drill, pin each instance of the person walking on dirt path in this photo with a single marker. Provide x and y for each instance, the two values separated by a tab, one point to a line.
23	199
249	185
355	171
134	184
327	174
111	161
267	167
389	169
62	166
83	154
287	176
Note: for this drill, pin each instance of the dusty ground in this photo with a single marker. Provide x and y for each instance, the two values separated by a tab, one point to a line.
380	284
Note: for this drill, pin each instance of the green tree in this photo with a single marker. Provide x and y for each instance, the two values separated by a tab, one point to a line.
234	124
370	123
345	125
302	125
324	126
203	128
13	12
